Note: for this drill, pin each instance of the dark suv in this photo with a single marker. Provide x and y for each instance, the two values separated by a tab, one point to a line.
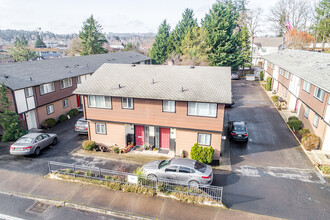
237	131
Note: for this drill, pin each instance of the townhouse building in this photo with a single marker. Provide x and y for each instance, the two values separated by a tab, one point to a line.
168	107
43	89
302	79
264	45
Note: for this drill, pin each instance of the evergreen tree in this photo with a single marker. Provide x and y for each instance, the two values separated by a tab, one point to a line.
245	43
186	25
159	51
322	24
21	52
39	42
92	39
220	23
9	120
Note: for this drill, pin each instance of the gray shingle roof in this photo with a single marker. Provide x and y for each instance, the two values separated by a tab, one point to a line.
202	83
268	41
311	66
44	71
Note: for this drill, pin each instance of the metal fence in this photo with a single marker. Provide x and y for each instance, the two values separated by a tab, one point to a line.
213	193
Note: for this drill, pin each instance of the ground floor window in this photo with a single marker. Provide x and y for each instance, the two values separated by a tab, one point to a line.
65	103
204	139
100	128
306	112
50	109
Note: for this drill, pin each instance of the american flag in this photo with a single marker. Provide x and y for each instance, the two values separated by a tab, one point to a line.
288	25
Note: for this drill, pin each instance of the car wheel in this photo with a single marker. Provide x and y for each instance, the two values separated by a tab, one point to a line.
37	151
54	141
194	184
152	177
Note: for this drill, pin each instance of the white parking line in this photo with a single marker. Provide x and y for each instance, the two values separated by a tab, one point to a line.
8	217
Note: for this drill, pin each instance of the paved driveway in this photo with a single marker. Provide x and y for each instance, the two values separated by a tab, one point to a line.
270	174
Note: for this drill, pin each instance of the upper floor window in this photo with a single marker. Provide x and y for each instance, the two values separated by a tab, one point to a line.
204	139
316	120
307	86
306	112
47	88
202	109
281	72
168	106
286	74
28	92
50	109
127	103
78	80
319	94
96	101
66	83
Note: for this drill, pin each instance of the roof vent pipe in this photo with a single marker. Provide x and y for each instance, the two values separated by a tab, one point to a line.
153	81
133	65
119	86
30	78
6	76
182	89
192	67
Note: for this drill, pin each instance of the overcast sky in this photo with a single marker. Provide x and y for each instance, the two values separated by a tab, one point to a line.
119	16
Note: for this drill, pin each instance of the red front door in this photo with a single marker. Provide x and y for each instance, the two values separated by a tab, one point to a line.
165	138
78	100
139	135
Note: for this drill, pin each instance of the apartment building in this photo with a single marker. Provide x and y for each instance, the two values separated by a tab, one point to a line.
43	89
169	107
302	79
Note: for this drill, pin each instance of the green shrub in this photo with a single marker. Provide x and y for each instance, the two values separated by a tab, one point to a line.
89	173
274	98
48	123
116	150
310	141
261	76
139	171
202	154
325	169
269	84
295	124
303	132
292	118
88	145
62	118
73	112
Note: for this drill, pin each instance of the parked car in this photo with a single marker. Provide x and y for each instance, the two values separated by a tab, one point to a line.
235	76
32	143
231	104
181	170
237	131
81	126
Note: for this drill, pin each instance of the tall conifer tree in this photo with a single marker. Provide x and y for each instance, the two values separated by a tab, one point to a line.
159	48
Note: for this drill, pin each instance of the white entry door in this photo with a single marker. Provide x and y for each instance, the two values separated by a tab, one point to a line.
326	142
31	119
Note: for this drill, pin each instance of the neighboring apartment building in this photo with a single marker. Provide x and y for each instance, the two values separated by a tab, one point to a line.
169	107
264	45
302	78
43	89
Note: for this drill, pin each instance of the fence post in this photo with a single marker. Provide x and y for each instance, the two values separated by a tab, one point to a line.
74	170
49	167
100	173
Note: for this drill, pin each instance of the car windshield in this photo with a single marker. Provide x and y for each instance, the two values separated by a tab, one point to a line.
81	123
24	140
164	163
200	167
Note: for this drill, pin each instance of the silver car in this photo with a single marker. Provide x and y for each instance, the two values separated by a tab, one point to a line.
81	126
32	143
180	170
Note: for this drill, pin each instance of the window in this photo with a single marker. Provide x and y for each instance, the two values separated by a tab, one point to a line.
319	94
47	88
306	112
100	128
286	74
39	138
171	169
202	109
65	103
168	106
281	72
204	139
127	103
99	101
50	109
78	80
316	120
286	93
184	170
66	83
307	86
28	92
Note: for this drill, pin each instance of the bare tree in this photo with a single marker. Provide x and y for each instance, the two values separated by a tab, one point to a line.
253	20
74	48
297	12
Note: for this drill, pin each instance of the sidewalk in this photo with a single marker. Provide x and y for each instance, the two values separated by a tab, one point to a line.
103	200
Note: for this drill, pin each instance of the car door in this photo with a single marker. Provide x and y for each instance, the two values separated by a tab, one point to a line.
40	141
47	139
170	173
184	175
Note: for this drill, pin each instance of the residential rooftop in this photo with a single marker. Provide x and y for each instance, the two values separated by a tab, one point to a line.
32	73
268	41
313	67
162	82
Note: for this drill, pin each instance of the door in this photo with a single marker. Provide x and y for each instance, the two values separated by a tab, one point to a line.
326	142
139	135
31	119
165	138
78	100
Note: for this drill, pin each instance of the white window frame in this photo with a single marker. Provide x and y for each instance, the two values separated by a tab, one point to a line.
78	80
306	113
100	128
169	106
65	103
92	101
286	74
316	120
46	88
127	103
281	72
316	91
204	139
307	86
50	109
28	92
66	83
193	109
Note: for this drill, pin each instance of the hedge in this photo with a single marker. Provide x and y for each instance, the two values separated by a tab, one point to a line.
303	132
295	124
261	76
269	84
88	145
73	112
292	118
48	123
274	98
310	141
62	118
202	154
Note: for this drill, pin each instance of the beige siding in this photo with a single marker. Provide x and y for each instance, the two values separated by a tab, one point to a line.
115	134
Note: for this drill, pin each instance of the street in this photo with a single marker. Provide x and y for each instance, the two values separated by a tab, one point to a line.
271	175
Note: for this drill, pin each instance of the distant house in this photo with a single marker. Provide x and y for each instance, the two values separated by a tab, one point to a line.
43	89
264	45
47	53
168	107
302	79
